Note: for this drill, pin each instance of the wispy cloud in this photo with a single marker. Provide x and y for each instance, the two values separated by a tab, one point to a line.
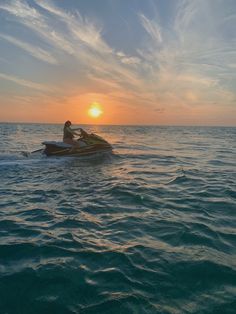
83	41
36	52
34	20
82	30
24	83
128	59
152	28
184	60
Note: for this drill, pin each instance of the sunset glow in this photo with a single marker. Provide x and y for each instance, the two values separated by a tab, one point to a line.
168	65
95	111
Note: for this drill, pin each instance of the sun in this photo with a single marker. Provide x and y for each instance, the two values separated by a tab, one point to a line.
95	110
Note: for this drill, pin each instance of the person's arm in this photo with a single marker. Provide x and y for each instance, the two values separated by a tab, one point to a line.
73	131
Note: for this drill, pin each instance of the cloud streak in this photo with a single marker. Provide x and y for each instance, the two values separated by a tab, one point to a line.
35	21
25	83
36	52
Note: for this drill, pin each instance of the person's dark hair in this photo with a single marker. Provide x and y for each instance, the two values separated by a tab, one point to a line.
67	123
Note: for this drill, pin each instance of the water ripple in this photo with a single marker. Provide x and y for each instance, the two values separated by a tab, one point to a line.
147	229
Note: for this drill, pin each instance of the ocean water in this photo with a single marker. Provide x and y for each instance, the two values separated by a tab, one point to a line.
149	228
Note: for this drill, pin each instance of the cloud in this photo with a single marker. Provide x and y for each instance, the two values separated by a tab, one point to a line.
24	83
92	50
83	41
36	52
152	28
128	59
20	9
32	19
191	56
80	28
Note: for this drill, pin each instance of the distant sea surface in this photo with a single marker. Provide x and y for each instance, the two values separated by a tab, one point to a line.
150	228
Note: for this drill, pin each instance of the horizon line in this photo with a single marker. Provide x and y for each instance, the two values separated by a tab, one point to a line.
124	125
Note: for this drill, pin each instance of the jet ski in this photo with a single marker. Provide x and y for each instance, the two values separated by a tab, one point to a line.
88	144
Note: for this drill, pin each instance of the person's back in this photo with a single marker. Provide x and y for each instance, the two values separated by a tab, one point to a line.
67	134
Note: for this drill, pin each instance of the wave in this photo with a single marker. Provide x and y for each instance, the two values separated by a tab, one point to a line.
147	229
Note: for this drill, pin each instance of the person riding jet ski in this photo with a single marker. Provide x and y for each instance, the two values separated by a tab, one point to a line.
86	144
69	134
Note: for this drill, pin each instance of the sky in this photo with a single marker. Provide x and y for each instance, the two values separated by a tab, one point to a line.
157	62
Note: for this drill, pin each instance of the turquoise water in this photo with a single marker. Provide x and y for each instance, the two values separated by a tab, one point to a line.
150	228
